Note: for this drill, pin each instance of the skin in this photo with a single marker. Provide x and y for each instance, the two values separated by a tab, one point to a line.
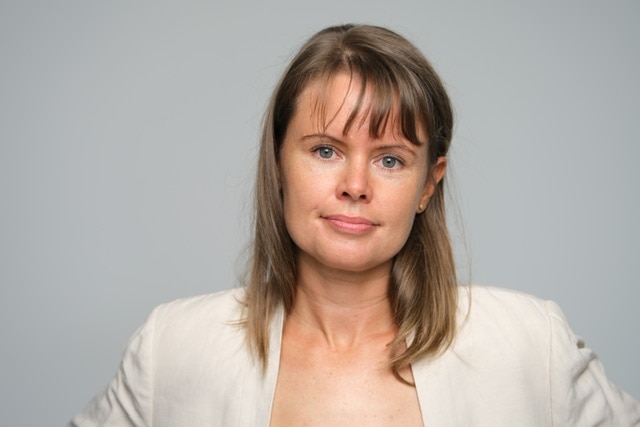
349	203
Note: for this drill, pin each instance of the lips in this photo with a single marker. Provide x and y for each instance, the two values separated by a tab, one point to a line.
350	224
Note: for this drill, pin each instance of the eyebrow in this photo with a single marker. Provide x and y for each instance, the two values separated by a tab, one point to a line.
322	136
379	147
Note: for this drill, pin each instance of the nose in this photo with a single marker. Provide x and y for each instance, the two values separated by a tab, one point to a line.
354	184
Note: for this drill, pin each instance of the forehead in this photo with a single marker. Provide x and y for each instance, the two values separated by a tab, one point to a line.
345	103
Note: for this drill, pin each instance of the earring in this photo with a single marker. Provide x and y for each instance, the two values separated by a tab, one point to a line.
420	207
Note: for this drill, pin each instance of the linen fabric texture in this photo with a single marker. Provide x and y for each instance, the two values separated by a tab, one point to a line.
515	361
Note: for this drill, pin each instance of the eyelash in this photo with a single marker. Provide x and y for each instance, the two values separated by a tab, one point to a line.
319	148
396	159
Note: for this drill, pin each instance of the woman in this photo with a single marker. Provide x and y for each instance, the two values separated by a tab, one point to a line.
352	314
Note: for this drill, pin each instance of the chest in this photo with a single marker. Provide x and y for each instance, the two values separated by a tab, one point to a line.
317	386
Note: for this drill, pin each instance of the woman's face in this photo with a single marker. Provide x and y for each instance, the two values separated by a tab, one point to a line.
349	199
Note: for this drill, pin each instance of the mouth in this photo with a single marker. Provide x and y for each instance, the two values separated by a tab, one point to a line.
350	224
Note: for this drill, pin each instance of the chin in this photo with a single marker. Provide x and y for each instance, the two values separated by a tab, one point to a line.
356	264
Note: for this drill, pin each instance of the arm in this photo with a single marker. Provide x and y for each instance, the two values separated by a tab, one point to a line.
580	392
127	401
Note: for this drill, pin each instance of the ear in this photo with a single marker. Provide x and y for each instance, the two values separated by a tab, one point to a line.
435	176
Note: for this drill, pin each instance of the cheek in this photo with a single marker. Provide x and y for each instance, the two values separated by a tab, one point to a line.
405	219
403	210
297	196
403	199
299	211
303	186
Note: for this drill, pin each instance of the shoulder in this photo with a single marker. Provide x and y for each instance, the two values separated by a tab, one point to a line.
498	363
503	308
499	297
188	323
511	332
188	334
224	305
516	324
516	353
189	359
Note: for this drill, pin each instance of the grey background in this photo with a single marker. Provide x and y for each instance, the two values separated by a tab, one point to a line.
128	135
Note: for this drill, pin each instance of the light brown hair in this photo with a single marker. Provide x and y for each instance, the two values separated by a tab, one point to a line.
405	88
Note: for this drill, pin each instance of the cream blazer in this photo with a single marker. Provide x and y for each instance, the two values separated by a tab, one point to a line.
514	362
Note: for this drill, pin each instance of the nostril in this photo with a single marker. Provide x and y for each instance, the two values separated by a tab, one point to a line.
347	194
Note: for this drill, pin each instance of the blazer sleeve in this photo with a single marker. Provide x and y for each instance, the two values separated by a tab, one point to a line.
127	400
581	394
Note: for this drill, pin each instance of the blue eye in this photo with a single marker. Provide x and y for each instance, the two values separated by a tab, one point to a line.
325	152
389	162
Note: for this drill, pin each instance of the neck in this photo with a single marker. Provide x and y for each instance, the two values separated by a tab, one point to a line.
343	308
